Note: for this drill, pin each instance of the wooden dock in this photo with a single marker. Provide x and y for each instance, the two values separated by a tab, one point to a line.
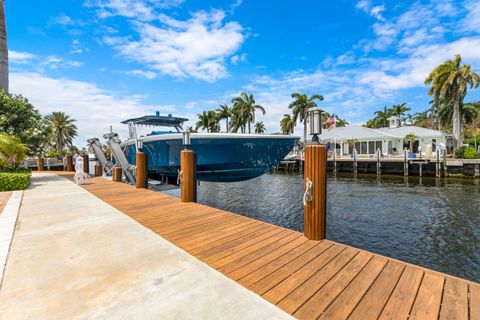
308	279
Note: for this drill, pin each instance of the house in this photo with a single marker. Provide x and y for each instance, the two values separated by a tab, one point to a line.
391	140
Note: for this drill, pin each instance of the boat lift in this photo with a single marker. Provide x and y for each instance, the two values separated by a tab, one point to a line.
95	147
113	143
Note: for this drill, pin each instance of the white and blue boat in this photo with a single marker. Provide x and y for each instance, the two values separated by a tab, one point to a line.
221	157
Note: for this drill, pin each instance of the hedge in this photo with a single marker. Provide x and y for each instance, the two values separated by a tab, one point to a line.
470	153
14	180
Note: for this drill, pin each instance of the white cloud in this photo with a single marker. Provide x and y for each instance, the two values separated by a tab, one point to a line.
194	48
238	58
368	7
144	10
20	57
55	62
94	108
472	19
143	74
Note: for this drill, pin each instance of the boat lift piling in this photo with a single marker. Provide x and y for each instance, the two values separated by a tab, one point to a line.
86	163
96	148
113	143
379	163
40	164
188	172
69	161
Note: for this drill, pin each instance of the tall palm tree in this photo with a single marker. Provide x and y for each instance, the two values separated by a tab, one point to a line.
203	121
259	127
244	107
64	130
381	117
213	121
287	124
224	112
3	49
411	138
399	110
300	106
450	81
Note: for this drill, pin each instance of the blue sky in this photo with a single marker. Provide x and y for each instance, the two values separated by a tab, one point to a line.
104	61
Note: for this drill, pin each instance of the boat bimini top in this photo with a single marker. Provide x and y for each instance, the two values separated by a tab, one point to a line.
158	120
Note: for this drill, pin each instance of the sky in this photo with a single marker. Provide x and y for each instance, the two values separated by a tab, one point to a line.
103	61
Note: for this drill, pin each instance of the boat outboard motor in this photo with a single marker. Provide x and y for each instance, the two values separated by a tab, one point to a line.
113	143
95	147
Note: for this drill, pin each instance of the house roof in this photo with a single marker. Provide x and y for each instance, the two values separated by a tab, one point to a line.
364	133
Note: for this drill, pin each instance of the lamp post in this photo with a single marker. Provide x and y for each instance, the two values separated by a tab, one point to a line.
315	119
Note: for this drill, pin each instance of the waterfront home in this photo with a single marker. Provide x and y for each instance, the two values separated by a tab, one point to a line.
391	140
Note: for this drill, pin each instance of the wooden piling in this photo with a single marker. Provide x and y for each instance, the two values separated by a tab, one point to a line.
188	168
379	163
438	169
334	161
98	170
355	164
405	163
315	210
141	170
117	174
40	164
69	160
86	163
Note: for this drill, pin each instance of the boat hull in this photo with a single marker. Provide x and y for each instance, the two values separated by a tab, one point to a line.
220	157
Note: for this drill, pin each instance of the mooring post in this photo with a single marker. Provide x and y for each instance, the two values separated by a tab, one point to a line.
444	160
188	171
40	164
315	197
379	164
49	164
141	170
420	169
86	163
438	172
355	161
334	161
405	162
98	170
117	174
69	160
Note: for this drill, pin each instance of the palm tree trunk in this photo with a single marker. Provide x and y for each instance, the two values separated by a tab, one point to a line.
457	124
3	49
249	127
305	131
228	130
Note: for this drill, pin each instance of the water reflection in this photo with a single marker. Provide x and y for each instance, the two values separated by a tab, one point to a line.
431	222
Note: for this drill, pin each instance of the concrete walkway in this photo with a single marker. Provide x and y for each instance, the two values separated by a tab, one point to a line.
75	257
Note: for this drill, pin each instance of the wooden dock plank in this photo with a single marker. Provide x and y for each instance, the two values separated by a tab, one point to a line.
306	278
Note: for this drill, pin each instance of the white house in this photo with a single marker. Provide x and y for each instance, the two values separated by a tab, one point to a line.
391	140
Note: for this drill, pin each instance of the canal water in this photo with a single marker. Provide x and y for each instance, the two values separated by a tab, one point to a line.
430	222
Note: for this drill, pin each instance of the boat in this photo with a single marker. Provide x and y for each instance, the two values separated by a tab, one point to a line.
221	157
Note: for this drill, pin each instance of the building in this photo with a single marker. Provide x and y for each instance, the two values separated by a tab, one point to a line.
391	140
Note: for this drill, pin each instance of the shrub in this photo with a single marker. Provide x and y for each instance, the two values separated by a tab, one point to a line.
14	180
459	152
469	153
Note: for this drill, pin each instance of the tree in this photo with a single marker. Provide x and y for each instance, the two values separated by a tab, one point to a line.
300	106
64	130
224	112
213	121
287	124
20	119
381	117
259	127
411	138
203	121
399	110
244	107
3	49
12	151
449	81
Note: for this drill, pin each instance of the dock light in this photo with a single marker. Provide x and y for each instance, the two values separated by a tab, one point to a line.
315	119
186	138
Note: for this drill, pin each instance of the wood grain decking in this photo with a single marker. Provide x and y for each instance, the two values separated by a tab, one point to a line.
308	279
4	196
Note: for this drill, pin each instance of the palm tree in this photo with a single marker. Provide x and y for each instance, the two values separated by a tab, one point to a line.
399	110
213	121
3	49
12	150
64	131
259	127
450	81
411	138
287	124
300	106
381	117
224	112
203	121
244	108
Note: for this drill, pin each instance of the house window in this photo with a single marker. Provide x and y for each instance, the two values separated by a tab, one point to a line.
363	147
434	145
357	147
371	147
378	145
